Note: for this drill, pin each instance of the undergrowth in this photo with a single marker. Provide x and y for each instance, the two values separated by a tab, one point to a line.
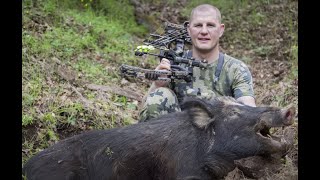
66	46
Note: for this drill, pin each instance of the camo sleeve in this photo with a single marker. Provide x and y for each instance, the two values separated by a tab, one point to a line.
242	83
161	101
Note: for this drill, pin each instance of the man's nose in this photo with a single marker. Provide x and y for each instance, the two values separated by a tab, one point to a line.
204	30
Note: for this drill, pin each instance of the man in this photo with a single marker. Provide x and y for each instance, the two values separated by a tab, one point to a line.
233	79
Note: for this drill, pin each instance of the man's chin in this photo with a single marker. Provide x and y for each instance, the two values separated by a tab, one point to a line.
204	49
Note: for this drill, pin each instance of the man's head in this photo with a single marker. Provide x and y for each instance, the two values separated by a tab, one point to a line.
205	28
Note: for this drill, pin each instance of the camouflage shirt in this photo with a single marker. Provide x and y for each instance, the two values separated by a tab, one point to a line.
235	80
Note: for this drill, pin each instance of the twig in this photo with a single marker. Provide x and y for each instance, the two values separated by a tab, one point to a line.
117	90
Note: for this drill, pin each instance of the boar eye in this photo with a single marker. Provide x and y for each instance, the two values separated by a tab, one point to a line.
234	113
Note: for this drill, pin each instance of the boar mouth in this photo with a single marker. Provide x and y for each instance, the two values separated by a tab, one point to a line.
272	139
266	123
264	132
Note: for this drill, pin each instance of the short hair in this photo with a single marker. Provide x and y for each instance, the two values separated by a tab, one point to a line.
204	7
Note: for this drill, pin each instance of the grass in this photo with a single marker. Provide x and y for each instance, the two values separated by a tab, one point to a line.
74	38
293	29
94	72
27	120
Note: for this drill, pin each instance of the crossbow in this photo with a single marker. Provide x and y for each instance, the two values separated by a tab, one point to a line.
172	45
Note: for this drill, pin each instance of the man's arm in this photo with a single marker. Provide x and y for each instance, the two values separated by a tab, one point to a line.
151	89
247	100
164	65
243	85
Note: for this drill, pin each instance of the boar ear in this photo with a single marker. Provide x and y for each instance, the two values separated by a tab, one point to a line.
199	111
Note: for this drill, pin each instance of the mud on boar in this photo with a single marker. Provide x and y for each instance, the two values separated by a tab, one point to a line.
201	142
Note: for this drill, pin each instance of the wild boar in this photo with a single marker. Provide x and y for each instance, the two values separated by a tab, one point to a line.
201	142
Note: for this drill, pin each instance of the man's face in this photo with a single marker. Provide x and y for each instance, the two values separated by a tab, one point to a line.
205	30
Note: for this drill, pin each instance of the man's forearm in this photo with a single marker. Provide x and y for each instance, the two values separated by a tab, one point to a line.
247	100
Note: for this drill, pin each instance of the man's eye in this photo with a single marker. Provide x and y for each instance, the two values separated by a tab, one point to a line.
211	25
198	25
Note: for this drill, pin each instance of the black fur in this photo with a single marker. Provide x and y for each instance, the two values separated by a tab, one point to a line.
173	146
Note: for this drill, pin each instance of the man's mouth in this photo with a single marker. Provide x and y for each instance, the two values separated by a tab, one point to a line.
204	39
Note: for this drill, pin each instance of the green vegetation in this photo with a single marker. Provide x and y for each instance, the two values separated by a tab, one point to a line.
67	37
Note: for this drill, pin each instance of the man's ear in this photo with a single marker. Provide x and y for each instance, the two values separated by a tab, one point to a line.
186	23
221	30
188	29
199	111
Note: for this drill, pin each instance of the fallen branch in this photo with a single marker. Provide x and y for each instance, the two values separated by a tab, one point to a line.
117	90
86	102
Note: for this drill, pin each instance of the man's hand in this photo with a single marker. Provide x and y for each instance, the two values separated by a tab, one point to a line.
164	65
